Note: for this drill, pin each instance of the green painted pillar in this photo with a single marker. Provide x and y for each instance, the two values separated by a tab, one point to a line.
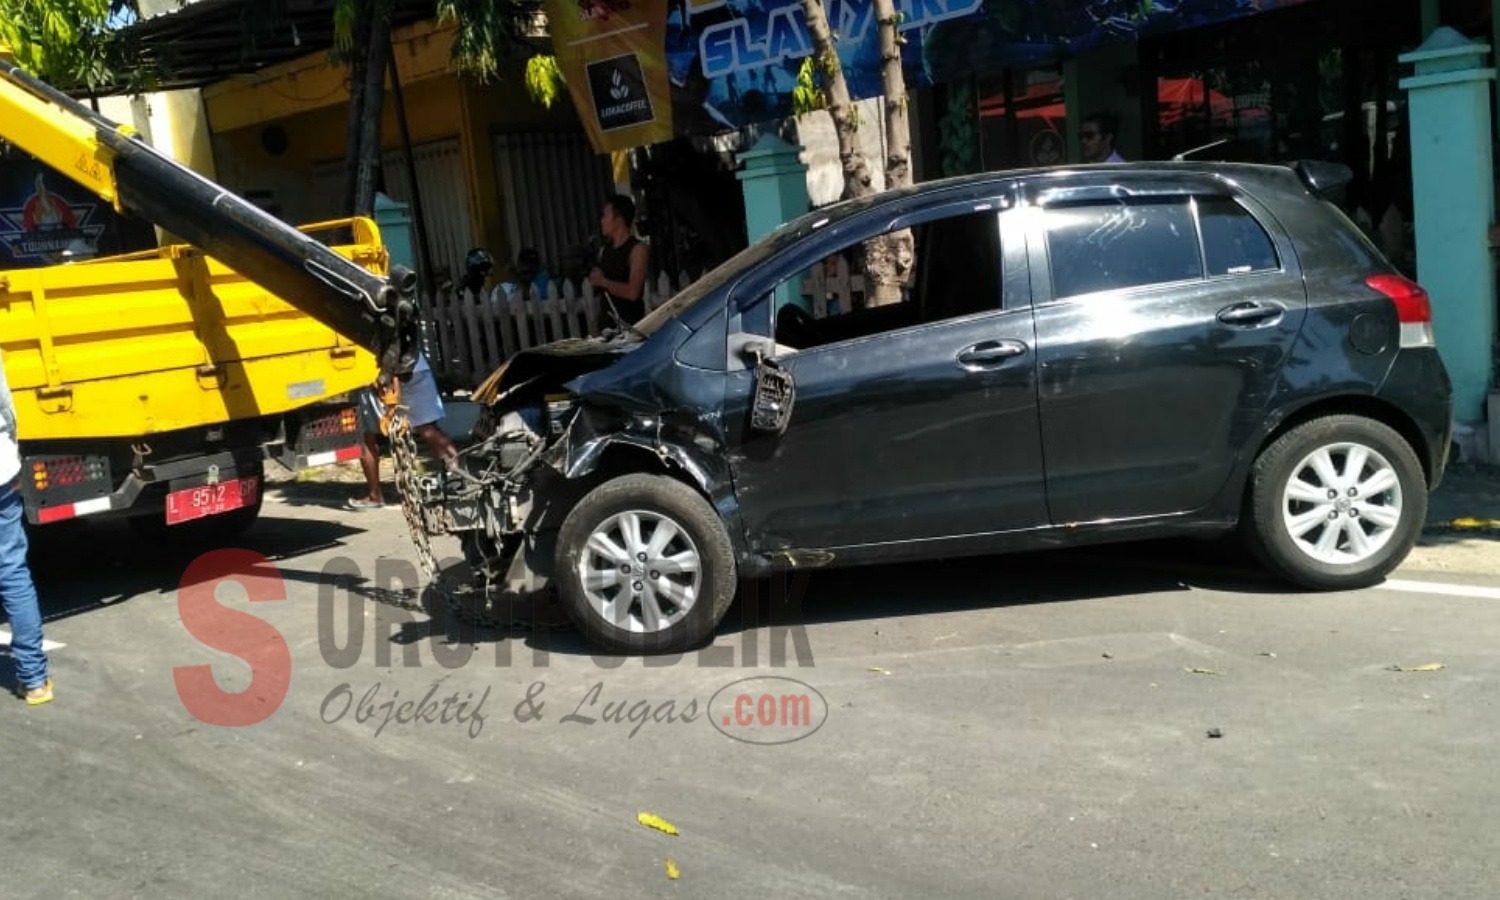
393	218
1453	191
774	181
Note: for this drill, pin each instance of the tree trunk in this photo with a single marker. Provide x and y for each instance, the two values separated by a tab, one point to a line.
890	257
897	124
377	58
857	181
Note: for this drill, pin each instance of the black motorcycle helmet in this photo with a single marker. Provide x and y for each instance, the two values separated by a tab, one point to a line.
478	265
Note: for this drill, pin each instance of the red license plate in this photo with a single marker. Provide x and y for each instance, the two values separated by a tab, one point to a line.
211	499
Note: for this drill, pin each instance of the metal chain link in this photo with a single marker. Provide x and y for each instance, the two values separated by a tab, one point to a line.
473	604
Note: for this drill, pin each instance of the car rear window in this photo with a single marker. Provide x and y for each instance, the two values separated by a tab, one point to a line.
1112	246
1233	242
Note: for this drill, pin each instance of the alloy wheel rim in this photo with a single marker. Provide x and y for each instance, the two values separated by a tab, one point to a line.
641	571
1342	504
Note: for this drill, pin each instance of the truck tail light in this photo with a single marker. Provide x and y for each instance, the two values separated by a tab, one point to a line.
64	487
336	423
67	471
1413	308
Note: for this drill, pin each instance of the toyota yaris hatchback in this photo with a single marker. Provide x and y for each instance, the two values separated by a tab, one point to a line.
1075	356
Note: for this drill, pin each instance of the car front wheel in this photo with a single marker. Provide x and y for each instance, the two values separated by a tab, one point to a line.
1336	503
644	565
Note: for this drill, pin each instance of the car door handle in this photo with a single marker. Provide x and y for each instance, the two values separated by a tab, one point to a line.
989	354
1254	312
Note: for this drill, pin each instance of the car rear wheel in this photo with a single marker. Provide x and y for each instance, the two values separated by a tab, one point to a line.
644	565
1337	503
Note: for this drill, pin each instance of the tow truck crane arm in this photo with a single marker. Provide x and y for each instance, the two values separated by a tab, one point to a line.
379	313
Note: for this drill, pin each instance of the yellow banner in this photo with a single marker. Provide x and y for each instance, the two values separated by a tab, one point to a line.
612	53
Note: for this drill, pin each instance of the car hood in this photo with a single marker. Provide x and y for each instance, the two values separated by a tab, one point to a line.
554	364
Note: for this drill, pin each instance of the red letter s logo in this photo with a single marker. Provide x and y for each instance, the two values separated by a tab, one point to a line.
240	634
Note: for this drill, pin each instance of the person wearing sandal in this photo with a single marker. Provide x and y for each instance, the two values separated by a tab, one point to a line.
17	591
425	407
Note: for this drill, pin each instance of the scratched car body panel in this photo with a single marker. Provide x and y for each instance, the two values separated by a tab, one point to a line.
1074	356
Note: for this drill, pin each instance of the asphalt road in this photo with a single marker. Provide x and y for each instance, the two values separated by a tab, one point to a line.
1034	726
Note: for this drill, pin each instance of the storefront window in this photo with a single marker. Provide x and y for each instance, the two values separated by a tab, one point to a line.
1022	119
1330	104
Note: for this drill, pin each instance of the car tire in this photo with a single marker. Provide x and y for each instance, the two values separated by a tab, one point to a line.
668	602
1324	526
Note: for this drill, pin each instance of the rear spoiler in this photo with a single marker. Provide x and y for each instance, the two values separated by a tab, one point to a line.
1327	180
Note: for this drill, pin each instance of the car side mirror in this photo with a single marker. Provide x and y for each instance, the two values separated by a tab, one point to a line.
775	392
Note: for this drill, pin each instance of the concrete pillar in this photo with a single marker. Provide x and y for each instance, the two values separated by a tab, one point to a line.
393	218
774	181
1453	191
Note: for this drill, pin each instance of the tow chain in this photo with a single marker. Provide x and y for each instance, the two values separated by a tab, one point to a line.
473	604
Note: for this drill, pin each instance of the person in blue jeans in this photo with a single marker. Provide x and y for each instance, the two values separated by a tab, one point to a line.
17	591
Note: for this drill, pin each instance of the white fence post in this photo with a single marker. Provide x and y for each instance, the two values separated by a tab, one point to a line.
476	332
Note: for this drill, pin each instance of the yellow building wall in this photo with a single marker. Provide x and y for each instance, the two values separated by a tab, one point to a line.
500	107
307	99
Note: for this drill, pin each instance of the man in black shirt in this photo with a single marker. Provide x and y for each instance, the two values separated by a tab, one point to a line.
620	269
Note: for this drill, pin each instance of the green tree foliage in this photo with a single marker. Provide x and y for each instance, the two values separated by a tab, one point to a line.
488	32
810	94
544	79
72	44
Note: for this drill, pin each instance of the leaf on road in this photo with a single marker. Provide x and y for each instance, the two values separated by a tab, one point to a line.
1196	671
672	872
657	822
1427	667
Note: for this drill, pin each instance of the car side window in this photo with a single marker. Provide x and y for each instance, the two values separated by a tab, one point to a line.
951	267
1233	242
1117	245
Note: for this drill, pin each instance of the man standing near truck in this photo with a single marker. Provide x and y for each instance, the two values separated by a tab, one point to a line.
424	408
17	591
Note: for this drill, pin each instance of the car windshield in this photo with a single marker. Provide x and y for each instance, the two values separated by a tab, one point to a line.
761	250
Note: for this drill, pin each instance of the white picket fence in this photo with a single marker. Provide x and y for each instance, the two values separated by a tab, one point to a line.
472	334
832	289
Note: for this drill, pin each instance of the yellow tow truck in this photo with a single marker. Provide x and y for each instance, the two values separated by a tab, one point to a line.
155	385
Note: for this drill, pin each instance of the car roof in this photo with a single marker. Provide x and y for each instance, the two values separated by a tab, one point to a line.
979	185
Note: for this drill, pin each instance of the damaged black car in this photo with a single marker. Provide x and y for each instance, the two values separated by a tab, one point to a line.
1066	357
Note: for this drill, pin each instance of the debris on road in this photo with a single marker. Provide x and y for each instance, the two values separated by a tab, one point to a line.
1266	653
1474	523
1426	667
879	671
1215	733
654	821
1109	656
672	871
1198	671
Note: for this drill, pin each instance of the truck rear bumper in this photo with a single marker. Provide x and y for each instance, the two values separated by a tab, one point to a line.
146	490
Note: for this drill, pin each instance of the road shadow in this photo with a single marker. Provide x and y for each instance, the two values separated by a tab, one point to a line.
1447	534
326	494
777	605
84	565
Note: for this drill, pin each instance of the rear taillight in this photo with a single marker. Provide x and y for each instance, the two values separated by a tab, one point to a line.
1413	308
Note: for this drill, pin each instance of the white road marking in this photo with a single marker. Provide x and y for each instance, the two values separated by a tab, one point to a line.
47	646
1434	587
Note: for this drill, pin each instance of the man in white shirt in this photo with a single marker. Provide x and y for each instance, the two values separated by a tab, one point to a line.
17	591
1096	137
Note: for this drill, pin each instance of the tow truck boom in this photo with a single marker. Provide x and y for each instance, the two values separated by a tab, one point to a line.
110	160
